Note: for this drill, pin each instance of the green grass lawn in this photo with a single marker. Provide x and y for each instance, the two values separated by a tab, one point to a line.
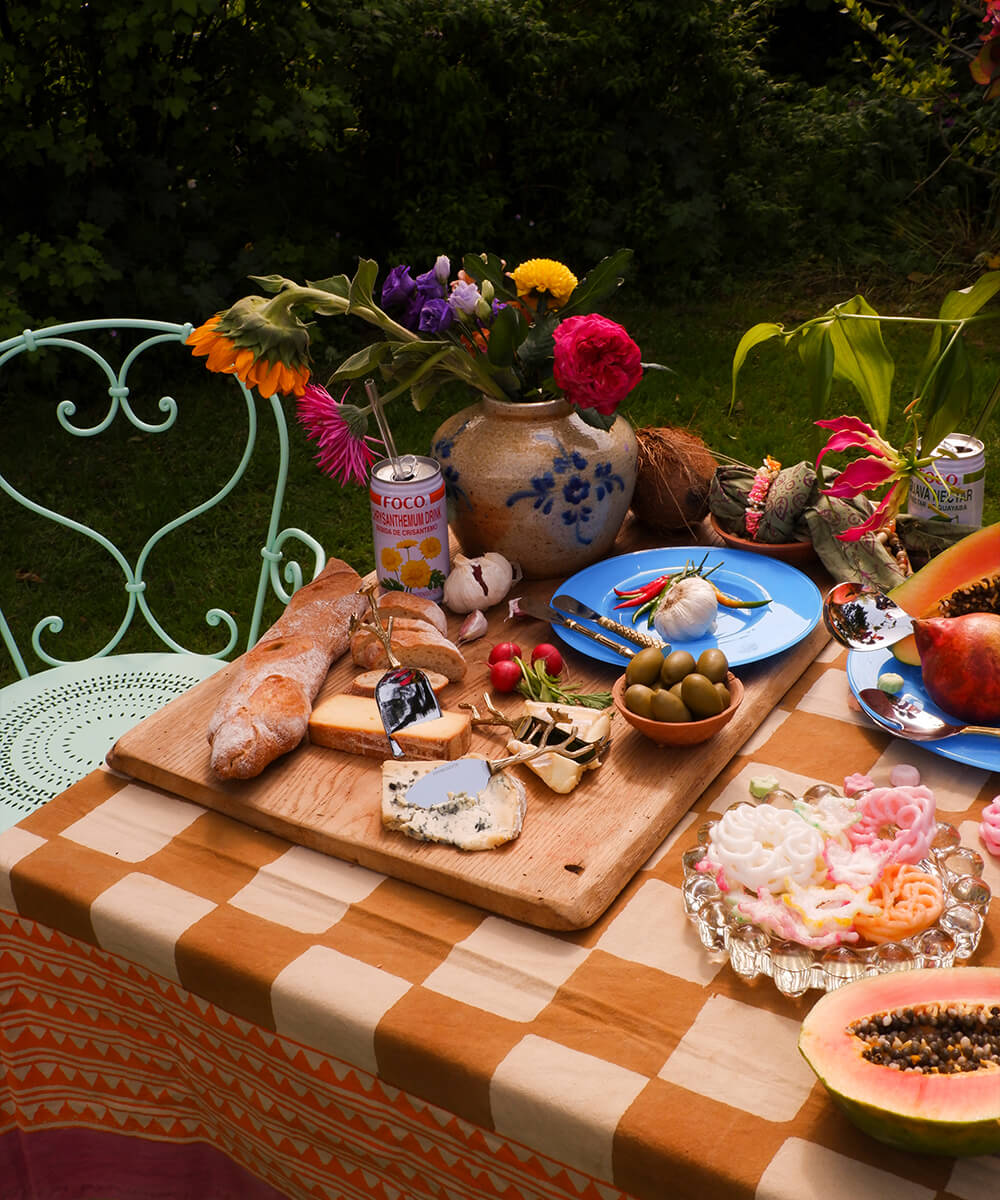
139	483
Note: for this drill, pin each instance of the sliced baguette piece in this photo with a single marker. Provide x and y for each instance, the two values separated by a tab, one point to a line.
365	683
469	822
353	724
425	648
405	604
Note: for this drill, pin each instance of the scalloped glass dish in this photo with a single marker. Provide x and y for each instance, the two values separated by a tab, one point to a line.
794	968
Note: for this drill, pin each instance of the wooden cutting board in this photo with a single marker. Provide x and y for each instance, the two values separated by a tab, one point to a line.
576	852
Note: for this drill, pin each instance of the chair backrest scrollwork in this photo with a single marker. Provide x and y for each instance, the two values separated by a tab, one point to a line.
116	350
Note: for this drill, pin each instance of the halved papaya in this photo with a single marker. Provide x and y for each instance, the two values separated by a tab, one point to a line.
890	1051
968	560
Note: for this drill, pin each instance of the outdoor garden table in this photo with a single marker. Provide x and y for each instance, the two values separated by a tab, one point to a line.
194	1008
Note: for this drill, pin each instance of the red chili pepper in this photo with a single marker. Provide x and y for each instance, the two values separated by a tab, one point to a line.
641	596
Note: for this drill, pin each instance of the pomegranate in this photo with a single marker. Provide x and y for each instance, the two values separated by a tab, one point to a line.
960	664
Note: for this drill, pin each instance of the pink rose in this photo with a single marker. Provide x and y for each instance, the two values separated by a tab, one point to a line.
596	362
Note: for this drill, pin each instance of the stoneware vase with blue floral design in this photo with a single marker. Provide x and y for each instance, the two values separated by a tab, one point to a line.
536	483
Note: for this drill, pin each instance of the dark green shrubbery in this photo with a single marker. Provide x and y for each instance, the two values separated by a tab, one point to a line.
158	151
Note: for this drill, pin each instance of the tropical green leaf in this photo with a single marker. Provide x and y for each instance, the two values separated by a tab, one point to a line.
952	396
960	305
861	358
753	337
816	354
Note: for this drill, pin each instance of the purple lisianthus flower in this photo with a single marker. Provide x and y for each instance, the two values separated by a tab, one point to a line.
464	298
435	316
398	287
433	284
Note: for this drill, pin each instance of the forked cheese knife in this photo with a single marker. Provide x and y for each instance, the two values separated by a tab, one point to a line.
471	775
403	695
569	604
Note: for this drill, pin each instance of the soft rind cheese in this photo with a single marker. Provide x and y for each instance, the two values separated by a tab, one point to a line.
469	822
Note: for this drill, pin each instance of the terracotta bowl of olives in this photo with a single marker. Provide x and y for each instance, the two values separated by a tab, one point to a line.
676	699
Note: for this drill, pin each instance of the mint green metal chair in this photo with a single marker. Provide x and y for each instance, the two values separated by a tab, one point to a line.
59	718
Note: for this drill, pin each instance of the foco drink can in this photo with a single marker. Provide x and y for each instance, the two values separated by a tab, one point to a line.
961	462
410	527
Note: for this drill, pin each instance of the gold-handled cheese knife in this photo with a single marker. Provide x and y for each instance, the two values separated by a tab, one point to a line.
569	604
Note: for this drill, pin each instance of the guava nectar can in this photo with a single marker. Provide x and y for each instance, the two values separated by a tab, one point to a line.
951	489
410	526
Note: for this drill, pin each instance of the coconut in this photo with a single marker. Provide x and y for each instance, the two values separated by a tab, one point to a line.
673	477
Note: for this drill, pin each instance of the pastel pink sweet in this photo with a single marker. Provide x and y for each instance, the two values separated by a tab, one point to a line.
857	866
857	783
824	909
904	775
759	846
989	826
832	815
899	819
772	914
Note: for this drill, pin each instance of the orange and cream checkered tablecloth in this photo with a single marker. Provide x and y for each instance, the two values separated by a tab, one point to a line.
175	977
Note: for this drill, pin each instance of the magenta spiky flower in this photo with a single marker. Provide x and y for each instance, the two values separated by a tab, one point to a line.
341	432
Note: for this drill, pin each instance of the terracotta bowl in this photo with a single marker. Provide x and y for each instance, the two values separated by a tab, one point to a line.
680	733
795	553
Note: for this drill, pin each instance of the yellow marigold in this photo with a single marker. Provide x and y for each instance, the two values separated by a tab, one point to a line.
415	574
430	547
545	275
390	559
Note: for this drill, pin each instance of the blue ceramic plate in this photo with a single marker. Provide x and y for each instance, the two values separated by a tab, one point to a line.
974	749
743	635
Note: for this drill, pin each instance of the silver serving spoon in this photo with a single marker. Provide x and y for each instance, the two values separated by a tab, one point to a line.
862	617
908	720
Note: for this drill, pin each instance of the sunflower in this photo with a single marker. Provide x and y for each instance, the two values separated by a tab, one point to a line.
415	574
261	343
539	275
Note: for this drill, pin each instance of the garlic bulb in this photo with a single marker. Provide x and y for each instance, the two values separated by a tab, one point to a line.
477	583
686	610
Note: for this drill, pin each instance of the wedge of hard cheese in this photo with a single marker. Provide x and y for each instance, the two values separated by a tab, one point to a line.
352	723
470	822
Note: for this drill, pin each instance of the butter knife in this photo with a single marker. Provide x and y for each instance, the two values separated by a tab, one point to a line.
543	612
568	604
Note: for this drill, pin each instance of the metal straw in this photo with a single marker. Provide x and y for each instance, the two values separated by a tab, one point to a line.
402	468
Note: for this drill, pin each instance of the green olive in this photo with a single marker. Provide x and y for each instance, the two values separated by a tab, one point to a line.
675	666
724	693
644	667
700	696
713	664
639	699
668	707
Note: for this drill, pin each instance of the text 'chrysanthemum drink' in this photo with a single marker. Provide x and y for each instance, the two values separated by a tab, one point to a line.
410	526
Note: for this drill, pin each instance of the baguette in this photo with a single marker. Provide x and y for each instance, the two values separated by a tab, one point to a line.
265	710
425	648
405	604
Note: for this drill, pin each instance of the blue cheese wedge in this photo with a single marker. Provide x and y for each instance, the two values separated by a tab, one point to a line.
481	821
